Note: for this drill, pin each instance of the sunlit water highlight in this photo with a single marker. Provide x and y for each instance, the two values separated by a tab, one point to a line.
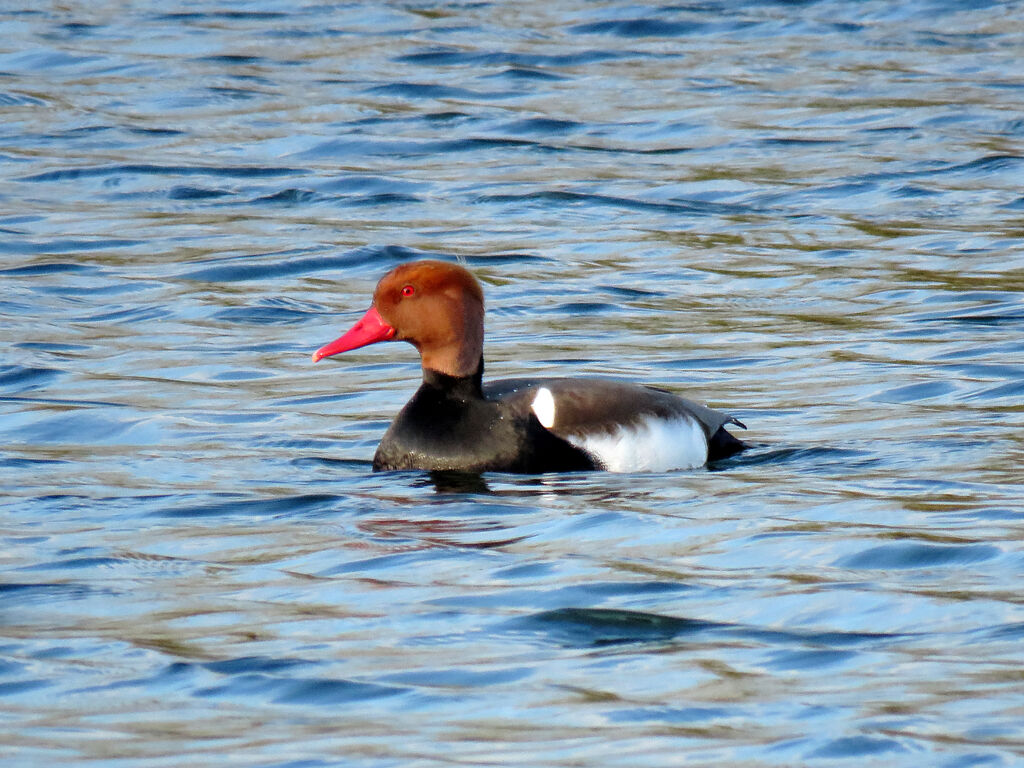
809	215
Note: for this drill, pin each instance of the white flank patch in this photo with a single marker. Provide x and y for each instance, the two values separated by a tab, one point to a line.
544	407
652	445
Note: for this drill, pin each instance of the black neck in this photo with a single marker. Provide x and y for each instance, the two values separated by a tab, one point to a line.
467	386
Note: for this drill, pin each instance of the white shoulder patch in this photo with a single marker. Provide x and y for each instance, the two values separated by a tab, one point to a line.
544	407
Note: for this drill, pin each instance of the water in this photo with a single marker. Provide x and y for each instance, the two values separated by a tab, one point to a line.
808	215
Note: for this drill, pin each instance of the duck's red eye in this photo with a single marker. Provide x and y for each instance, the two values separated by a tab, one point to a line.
408	290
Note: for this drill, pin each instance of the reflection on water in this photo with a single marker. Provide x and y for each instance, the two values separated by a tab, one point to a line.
808	215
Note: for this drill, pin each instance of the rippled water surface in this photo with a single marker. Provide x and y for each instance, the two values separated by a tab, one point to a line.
810	215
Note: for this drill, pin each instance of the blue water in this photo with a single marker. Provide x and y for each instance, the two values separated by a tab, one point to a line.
809	215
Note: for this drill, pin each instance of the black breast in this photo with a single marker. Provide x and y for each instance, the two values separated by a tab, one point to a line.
448	425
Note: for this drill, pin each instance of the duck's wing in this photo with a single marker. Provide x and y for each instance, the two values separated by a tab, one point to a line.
624	425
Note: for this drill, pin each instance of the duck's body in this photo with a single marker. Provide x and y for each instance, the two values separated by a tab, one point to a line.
451	423
456	422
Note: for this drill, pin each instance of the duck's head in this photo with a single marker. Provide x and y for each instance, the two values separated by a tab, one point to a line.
436	306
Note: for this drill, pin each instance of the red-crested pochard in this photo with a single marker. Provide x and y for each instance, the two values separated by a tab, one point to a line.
456	422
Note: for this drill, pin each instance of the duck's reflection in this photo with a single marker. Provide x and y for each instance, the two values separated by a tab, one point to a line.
447	481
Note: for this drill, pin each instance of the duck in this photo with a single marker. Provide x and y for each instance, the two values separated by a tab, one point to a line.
457	422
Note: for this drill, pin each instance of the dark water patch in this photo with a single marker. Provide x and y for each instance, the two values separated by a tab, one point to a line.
373	185
80	132
500	259
545	198
275	311
254	664
326	692
63	401
18	687
991	298
286	506
572	362
361	466
589	627
994	318
433	91
631	293
19	100
298	691
238	94
105	289
585	308
936	485
908	554
791	141
222	15
141	169
20	246
639	27
1013	389
628	149
82	427
268	266
401	561
454	677
991	306
17	378
177	676
391	147
384	198
994	513
988	370
392	123
958	41
244	375
805	660
531	570
890	129
232	417
713	363
541	126
15	593
834	191
857	746
15	462
232	59
50	268
446	56
913	393
821	639
670	715
131	314
443	118
914	191
41	59
814	458
196	193
291	196
1011	631
562	597
333	397
983	167
525	74
74	563
301	444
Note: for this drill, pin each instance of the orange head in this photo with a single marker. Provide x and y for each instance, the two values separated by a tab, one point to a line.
436	306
